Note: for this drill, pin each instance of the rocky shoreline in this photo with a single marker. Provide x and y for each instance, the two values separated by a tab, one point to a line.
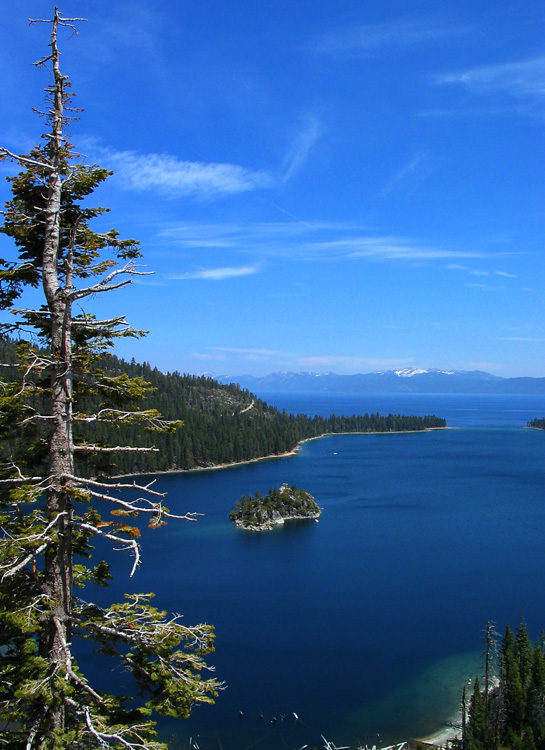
258	513
276	521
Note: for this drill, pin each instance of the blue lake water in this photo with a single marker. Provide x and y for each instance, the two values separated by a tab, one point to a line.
364	626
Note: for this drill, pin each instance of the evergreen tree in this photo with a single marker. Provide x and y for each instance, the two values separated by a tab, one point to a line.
45	514
516	715
536	690
477	723
506	648
522	649
513	694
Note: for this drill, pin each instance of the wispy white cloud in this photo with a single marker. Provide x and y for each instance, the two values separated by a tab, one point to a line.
298	360
300	149
313	242
369	39
216	274
520	79
479	272
240	236
172	177
466	269
411	173
390	248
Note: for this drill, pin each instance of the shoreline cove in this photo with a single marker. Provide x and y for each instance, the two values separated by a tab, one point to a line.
287	454
396	539
446	731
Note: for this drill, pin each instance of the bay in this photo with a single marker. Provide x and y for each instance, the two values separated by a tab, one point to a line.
365	626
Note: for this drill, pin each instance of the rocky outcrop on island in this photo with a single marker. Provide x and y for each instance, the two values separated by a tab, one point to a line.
263	513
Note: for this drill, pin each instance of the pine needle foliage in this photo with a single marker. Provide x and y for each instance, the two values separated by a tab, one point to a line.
511	715
54	384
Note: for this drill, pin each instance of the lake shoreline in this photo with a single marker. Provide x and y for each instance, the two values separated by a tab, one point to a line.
449	733
275	599
287	454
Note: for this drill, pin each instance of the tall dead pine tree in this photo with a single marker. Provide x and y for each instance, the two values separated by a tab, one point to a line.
45	514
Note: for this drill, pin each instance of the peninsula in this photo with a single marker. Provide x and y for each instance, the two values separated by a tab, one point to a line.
222	424
258	513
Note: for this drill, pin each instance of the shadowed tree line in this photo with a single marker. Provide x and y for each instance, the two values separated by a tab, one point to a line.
508	713
222	424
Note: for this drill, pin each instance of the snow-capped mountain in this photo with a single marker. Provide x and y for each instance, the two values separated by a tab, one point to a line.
409	372
404	380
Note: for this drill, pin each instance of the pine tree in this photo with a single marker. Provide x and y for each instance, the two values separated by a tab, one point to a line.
477	724
46	518
536	689
513	695
523	653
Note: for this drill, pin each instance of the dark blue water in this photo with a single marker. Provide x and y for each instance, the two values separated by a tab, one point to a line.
369	622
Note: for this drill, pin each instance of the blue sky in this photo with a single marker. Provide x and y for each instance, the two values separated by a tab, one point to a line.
324	186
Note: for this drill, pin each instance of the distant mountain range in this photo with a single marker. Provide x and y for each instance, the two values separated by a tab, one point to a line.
407	380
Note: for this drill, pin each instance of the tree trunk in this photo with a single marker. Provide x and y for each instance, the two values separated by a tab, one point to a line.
58	575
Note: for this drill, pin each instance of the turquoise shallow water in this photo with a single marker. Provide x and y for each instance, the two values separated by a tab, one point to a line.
366	624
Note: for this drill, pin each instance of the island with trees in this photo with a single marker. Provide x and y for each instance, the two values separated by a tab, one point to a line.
70	415
537	423
258	513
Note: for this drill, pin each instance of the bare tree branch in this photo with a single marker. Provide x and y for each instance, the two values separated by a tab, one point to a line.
107	285
11	570
60	21
116	449
139	505
4	152
119	485
21	478
110	738
128	544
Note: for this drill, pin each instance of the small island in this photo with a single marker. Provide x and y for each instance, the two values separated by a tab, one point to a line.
258	513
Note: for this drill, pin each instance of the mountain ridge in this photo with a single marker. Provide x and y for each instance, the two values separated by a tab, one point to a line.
402	380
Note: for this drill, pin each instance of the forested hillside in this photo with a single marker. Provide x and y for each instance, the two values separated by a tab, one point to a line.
508	710
221	423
